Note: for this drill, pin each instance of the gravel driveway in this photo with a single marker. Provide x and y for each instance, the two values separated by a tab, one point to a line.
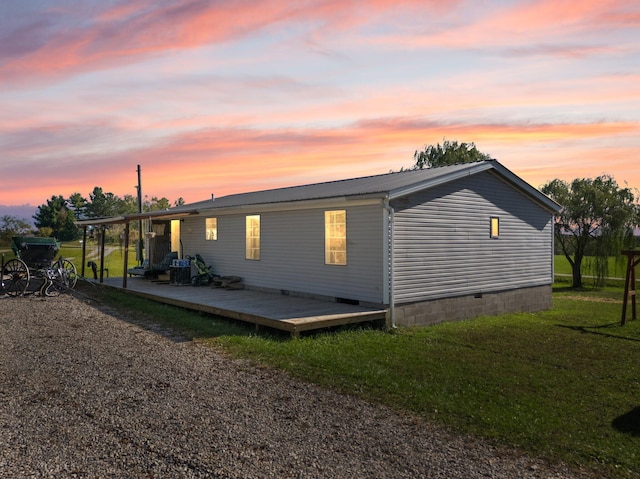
85	393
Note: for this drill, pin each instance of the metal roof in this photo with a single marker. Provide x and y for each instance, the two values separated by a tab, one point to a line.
390	185
386	186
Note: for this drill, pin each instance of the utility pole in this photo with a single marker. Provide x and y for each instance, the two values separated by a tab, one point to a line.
139	255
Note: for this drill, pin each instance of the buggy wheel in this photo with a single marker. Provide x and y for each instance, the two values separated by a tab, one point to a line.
15	277
64	277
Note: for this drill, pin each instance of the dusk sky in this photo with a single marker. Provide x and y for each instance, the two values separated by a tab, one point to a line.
231	96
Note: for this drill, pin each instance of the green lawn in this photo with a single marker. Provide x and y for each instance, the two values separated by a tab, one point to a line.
72	251
617	266
114	257
562	384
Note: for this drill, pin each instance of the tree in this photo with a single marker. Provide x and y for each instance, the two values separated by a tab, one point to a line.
79	204
103	205
11	226
129	204
57	215
595	214
155	204
57	218
450	153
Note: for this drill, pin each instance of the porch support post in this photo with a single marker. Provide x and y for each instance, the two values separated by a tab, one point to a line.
84	249
102	235
126	255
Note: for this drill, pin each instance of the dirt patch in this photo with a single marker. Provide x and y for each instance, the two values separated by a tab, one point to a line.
591	299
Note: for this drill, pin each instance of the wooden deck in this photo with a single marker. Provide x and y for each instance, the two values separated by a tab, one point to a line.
287	313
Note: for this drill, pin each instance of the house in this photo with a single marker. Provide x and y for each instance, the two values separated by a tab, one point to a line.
429	245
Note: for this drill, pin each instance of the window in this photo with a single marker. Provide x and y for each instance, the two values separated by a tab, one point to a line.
495	227
335	237
212	229
253	237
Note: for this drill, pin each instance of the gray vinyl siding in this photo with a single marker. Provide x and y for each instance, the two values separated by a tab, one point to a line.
292	252
442	244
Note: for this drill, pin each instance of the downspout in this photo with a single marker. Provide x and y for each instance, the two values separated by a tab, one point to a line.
390	242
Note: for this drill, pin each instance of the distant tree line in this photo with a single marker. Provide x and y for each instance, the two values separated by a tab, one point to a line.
56	218
11	226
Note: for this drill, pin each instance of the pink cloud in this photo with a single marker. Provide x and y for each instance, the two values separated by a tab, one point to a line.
526	27
274	129
227	161
86	41
577	16
119	35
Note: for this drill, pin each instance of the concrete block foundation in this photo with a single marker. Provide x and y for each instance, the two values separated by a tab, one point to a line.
435	311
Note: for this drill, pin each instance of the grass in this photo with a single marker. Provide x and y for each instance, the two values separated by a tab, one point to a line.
617	266
562	384
114	260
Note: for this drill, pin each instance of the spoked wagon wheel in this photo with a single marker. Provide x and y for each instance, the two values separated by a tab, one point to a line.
15	277
64	277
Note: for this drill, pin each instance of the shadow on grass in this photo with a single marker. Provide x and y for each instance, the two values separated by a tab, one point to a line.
566	288
628	423
596	330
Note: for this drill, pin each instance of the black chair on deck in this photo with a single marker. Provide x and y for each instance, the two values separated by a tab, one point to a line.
160	268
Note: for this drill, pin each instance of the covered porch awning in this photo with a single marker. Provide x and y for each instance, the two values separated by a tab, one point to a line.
148	215
126	220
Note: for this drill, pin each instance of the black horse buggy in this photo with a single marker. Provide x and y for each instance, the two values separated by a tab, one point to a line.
35	263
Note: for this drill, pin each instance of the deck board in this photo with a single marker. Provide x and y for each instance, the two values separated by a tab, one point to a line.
288	313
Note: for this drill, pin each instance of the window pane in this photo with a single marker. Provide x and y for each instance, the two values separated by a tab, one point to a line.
253	237
335	237
495	226
211	229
